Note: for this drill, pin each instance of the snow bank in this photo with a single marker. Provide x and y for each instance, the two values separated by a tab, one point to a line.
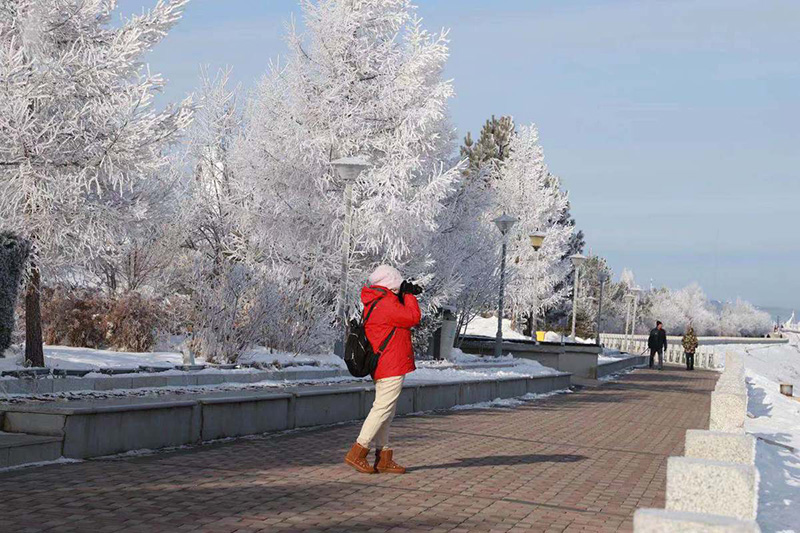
296	361
89	359
775	420
487	327
510	403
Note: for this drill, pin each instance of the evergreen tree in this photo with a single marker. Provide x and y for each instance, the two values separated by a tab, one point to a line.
493	144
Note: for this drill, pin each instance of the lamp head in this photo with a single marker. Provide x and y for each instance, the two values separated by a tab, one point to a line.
349	168
537	238
504	223
577	260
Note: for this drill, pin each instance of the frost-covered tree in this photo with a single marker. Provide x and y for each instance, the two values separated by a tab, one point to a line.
559	313
527	191
77	129
741	318
678	309
366	80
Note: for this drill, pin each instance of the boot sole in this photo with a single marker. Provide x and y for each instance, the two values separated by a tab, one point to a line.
358	468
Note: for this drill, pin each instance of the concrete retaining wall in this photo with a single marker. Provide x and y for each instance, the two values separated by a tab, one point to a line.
97	428
605	369
577	359
47	385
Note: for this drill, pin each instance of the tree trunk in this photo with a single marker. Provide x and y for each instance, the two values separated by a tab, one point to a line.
34	350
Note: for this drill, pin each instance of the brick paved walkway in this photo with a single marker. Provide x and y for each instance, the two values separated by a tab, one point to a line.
575	462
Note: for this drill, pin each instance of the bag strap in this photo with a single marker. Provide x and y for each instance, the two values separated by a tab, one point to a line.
373	305
385	342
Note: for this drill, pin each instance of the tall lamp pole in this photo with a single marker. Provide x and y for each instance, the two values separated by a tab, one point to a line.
537	239
348	168
636	292
577	261
628	300
602	278
504	223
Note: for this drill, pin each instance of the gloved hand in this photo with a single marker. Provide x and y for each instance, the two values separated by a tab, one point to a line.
408	287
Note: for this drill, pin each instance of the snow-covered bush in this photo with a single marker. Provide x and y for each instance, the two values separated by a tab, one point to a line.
13	255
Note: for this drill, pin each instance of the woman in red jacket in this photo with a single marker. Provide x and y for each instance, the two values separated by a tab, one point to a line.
395	312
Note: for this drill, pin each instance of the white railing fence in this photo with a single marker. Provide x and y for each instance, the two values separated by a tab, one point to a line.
710	350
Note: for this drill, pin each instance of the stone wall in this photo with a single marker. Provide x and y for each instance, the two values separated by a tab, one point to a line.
714	486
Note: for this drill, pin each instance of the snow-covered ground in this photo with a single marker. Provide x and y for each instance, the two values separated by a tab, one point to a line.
89	359
487	327
775	420
67	357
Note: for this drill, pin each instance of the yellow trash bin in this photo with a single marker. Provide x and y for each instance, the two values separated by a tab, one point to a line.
540	336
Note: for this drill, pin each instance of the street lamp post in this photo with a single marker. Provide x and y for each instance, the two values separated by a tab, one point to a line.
348	169
628	300
504	224
577	261
636	292
602	278
537	239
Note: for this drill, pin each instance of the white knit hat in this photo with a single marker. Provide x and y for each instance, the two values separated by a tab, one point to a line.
386	276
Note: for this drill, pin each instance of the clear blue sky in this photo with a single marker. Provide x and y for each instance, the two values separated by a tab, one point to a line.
674	124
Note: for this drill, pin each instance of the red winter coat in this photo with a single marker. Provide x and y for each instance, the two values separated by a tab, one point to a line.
397	358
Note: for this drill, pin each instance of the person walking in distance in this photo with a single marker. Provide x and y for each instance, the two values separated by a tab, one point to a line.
657	342
393	310
689	347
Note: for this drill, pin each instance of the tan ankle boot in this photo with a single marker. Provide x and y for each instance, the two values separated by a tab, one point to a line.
357	458
385	465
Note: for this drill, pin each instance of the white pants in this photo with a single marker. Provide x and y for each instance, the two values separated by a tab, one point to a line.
375	431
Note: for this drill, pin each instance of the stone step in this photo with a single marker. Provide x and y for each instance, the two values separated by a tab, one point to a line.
20	449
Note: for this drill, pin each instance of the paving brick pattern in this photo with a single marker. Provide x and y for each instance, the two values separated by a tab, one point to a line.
574	462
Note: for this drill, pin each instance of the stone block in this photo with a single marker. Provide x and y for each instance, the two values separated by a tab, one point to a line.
235	417
210	379
511	388
405	404
543	384
93	433
319	407
19	449
712	487
16	386
34	423
110	383
472	392
146	382
434	396
182	380
721	446
731	386
72	384
728	411
663	521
